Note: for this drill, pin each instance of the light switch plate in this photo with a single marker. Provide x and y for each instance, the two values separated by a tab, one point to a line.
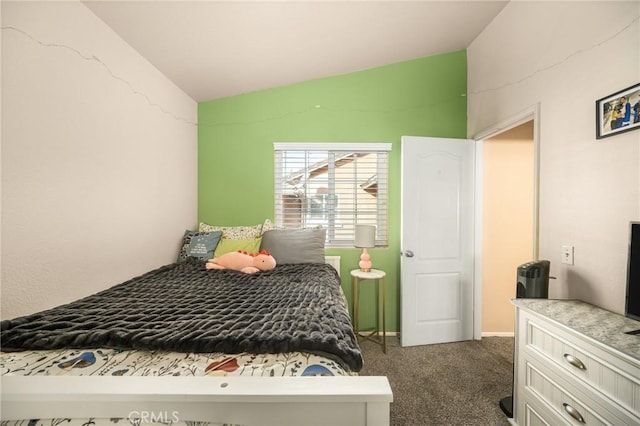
567	255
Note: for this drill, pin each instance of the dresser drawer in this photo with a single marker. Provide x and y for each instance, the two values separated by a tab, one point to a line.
615	379
566	406
537	414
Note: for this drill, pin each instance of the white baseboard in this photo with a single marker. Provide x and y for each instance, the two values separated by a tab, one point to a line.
498	334
484	333
388	333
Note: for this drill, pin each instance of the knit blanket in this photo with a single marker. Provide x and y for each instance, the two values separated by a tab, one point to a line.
183	307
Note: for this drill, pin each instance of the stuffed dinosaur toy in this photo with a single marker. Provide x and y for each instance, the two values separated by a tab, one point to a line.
249	263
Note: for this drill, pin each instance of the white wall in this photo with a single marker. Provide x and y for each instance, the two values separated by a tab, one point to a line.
99	158
564	56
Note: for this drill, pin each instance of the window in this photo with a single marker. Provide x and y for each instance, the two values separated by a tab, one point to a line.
334	185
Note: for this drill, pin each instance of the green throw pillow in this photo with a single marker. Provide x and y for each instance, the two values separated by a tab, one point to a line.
226	246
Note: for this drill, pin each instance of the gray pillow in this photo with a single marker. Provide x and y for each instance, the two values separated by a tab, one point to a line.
295	245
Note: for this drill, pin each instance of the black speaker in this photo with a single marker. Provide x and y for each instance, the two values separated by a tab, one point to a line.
533	280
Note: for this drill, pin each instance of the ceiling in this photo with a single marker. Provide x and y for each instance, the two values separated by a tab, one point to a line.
215	49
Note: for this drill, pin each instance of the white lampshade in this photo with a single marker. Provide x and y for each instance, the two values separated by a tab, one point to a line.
365	236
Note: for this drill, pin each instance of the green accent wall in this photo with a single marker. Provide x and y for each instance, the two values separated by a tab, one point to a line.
421	97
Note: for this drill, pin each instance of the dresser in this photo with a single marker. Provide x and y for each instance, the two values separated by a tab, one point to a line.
574	364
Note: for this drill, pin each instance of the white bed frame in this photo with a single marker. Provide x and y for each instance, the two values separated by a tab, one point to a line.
265	401
283	401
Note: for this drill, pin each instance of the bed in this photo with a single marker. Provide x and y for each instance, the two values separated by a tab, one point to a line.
183	344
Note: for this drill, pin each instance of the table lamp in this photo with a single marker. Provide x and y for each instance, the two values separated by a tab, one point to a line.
365	238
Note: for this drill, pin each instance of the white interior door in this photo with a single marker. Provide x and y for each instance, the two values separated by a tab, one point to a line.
437	240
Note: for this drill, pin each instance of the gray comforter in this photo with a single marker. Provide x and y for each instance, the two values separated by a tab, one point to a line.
184	307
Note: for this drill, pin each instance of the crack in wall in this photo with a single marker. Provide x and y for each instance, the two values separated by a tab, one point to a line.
96	59
337	110
558	63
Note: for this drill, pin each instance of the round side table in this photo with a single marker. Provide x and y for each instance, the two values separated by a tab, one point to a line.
377	276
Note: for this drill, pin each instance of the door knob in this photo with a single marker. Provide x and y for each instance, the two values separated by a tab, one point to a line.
408	253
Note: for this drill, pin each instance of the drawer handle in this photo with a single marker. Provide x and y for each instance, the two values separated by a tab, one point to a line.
574	361
573	412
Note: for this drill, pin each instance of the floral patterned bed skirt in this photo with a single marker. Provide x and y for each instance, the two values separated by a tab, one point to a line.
114	362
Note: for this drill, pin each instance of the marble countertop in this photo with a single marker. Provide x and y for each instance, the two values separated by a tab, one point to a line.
599	324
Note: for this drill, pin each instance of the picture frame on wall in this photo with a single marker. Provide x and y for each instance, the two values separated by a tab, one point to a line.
618	112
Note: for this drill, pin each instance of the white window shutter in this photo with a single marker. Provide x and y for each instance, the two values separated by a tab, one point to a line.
335	186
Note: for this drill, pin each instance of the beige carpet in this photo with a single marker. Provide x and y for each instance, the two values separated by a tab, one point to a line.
445	384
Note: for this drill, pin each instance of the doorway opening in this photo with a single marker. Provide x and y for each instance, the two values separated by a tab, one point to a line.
507	217
507	225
